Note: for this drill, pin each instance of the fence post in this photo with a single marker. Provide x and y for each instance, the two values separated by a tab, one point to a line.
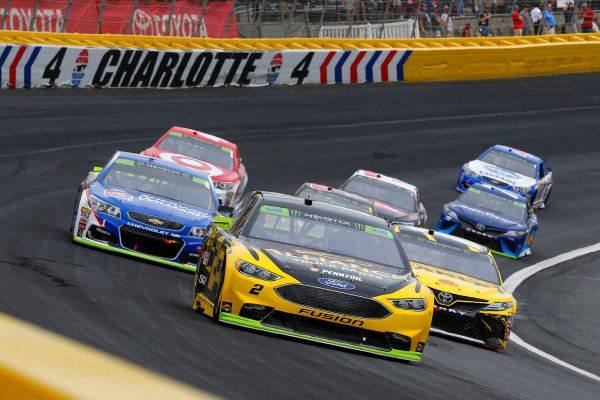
229	18
323	16
100	16
33	17
201	19
290	20
165	33
5	14
135	4
387	9
64	25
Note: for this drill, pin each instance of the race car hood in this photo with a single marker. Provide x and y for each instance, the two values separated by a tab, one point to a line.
327	270
500	174
486	217
217	173
459	284
128	199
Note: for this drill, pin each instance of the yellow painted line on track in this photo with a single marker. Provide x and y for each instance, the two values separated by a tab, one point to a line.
36	364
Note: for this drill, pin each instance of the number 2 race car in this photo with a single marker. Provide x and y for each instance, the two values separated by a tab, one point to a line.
496	218
395	200
470	301
213	155
315	271
144	207
511	169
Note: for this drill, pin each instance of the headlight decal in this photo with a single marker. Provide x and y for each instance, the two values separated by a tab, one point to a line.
254	271
410	304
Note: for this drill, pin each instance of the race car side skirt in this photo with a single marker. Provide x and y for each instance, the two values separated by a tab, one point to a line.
504	254
253	324
134	254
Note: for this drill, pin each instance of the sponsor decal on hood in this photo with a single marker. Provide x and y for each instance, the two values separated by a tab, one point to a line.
498	173
174	205
200	165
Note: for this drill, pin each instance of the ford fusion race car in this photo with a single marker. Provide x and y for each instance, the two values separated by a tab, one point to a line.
213	155
148	208
470	301
395	200
338	197
308	269
496	218
510	169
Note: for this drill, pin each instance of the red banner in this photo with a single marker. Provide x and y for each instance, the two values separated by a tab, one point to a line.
184	18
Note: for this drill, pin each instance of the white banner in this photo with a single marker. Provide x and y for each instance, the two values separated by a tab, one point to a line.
29	66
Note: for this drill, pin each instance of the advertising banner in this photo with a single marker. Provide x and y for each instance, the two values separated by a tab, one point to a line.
71	66
184	18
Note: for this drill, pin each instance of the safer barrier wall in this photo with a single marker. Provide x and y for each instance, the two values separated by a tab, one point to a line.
33	60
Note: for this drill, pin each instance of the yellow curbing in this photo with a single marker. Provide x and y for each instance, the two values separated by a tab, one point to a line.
36	364
178	43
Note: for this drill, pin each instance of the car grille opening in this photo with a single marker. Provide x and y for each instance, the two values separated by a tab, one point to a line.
491	243
327	330
150	243
255	311
102	235
333	301
152	220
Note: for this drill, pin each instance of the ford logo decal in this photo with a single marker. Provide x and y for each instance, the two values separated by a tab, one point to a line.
334	283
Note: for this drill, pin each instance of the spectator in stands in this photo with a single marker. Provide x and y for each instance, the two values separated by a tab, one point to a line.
536	17
350	4
587	25
596	25
284	7
437	23
447	21
528	23
484	22
424	21
569	10
466	31
395	9
549	21
517	20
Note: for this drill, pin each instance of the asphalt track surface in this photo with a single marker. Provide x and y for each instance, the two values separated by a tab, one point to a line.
420	132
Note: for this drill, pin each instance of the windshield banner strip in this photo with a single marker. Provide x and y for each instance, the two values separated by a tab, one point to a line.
275	210
124	161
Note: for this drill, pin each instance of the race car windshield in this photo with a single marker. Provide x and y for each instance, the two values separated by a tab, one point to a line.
329	234
382	191
500	205
511	162
198	148
452	258
335	198
160	181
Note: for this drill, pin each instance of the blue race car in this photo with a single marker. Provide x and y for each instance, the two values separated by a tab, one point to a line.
511	169
146	207
497	218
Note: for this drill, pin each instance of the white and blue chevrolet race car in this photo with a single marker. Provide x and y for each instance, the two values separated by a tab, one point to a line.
146	207
510	169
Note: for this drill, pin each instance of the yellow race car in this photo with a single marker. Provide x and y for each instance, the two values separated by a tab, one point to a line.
470	301
315	271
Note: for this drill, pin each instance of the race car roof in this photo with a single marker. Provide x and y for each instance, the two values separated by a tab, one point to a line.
517	152
326	209
161	163
385	178
203	135
337	193
484	187
440	237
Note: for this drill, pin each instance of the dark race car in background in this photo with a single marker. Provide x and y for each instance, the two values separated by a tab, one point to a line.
144	207
338	197
499	219
395	200
470	301
511	169
315	271
211	154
